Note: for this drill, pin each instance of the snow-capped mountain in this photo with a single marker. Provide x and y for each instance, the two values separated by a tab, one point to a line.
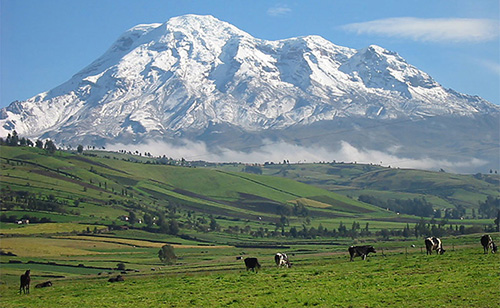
194	73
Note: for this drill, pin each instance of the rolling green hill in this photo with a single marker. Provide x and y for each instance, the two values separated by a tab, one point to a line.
101	188
443	190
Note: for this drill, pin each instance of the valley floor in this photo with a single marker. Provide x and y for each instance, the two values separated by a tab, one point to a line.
462	277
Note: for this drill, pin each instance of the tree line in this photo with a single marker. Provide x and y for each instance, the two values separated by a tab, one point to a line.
417	206
14	140
30	201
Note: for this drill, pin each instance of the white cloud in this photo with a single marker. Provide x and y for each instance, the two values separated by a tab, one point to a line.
279	10
277	152
430	30
492	66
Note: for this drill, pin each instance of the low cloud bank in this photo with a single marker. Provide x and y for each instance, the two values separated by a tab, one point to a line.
277	152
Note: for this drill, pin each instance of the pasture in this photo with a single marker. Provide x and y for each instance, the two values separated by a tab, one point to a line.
462	277
79	234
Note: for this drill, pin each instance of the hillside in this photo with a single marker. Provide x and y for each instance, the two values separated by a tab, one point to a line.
445	191
100	189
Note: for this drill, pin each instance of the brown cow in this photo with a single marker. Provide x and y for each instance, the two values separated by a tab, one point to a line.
25	283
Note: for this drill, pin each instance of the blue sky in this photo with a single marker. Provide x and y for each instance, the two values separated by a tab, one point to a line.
45	42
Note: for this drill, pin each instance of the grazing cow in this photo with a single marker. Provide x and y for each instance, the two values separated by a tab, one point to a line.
434	243
361	251
116	279
488	243
44	284
25	283
281	260
253	264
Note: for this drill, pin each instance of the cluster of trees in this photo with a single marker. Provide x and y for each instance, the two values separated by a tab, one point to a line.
160	221
32	219
202	224
298	209
417	206
490	208
31	201
14	140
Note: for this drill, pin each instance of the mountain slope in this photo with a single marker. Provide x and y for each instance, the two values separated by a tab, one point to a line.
196	75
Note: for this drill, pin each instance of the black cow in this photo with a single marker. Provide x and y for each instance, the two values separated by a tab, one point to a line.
25	283
434	243
361	251
488	243
44	284
253	264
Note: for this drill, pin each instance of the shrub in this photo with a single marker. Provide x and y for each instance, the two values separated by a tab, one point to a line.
120	266
167	255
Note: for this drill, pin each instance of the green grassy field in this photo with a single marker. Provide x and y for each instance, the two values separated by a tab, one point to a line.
463	277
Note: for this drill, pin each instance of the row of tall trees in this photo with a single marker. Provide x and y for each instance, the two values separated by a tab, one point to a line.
421	229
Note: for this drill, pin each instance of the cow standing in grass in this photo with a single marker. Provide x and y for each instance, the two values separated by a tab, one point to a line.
434	243
253	264
361	251
488	243
281	260
25	283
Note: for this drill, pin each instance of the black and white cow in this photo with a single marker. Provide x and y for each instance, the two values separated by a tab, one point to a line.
488	243
434	243
281	260
252	263
361	251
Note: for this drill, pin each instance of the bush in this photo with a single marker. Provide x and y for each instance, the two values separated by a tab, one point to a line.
120	266
167	255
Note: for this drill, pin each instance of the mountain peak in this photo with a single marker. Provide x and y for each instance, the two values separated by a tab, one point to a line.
183	74
204	25
194	21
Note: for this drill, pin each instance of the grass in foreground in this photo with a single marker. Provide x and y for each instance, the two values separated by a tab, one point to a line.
461	278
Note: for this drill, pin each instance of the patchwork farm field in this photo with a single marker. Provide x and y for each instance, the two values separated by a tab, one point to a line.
321	277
